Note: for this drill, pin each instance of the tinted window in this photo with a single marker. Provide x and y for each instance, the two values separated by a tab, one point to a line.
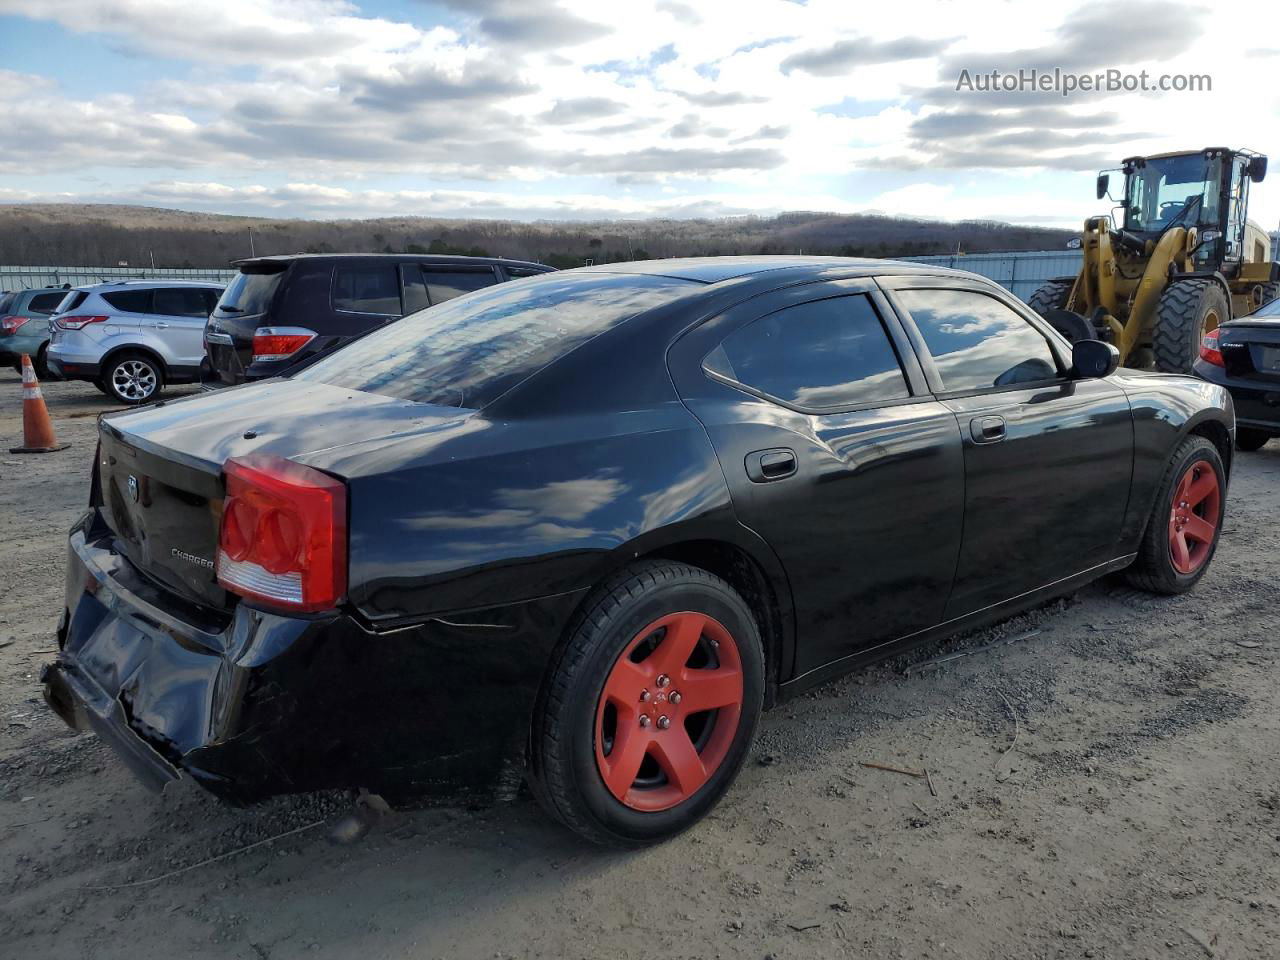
516	272
46	302
180	302
976	341
446	284
129	301
415	290
6	301
470	352
72	300
367	288
830	353
250	293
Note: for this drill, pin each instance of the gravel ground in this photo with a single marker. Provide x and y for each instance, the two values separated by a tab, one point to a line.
1106	787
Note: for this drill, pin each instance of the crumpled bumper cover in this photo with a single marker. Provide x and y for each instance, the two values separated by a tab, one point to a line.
253	703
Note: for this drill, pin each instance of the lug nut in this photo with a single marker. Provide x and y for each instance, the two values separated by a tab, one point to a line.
663	723
674	697
644	695
644	719
663	680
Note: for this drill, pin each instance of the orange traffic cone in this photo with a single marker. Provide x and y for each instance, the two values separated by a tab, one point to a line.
37	428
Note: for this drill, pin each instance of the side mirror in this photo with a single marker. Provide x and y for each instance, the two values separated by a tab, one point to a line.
1093	359
1257	169
1104	181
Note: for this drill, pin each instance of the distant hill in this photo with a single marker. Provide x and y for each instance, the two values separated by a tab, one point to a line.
105	234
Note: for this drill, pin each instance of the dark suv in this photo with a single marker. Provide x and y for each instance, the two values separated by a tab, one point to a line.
282	311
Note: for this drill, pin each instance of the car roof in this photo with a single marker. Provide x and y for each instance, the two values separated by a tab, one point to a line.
398	257
717	269
127	284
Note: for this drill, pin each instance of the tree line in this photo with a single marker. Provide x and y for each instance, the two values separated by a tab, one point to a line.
107	235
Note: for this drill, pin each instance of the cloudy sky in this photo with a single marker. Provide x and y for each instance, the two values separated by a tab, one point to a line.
558	109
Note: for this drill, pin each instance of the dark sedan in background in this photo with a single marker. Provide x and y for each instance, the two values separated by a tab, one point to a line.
582	529
1244	356
282	312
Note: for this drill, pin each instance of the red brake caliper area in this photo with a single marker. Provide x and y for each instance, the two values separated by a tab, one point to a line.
1194	516
653	706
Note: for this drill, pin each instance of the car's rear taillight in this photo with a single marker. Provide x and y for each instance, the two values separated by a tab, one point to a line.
278	343
1210	351
9	325
77	322
283	539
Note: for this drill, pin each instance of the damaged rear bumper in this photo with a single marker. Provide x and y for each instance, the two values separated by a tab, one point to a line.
252	703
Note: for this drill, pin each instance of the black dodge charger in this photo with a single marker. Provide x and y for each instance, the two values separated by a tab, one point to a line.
580	529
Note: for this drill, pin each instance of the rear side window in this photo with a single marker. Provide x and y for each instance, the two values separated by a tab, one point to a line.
129	301
469	352
826	354
977	342
444	285
250	292
72	300
180	302
46	302
367	288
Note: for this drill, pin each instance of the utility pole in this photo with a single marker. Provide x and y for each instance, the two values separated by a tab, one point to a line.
251	253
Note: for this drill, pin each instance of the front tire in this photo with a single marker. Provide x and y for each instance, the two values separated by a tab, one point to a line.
1186	521
133	379
650	707
1187	311
1250	440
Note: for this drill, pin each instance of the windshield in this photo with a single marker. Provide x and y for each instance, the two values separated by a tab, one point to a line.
1168	190
469	351
249	293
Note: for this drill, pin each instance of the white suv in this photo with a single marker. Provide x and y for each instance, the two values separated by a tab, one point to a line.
131	338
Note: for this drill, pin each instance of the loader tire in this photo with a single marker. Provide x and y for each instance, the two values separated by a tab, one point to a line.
1270	291
1051	295
1187	311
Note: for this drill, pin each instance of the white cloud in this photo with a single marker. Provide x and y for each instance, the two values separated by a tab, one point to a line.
536	108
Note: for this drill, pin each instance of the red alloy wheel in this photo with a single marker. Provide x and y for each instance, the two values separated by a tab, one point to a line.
669	711
1194	516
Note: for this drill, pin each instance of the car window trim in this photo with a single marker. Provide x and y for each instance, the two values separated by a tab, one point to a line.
890	285
839	293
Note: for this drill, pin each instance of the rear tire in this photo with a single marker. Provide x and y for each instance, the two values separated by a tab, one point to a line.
1250	440
133	378
1190	508
1187	311
619	751
1051	295
41	363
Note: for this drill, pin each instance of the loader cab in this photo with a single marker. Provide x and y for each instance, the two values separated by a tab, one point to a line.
1207	189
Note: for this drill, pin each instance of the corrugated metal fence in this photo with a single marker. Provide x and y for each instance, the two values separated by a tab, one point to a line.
24	278
1020	272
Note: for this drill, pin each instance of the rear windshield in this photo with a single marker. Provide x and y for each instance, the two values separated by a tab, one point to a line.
470	351
72	300
250	293
6	301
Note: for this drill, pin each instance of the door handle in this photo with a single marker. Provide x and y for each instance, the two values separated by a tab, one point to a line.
987	429
764	466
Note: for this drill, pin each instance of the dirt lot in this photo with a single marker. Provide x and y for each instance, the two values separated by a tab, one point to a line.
1132	808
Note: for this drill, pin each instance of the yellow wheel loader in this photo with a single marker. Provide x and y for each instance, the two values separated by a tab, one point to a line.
1183	259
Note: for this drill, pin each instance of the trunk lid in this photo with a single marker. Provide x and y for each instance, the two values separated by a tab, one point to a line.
160	467
1251	350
